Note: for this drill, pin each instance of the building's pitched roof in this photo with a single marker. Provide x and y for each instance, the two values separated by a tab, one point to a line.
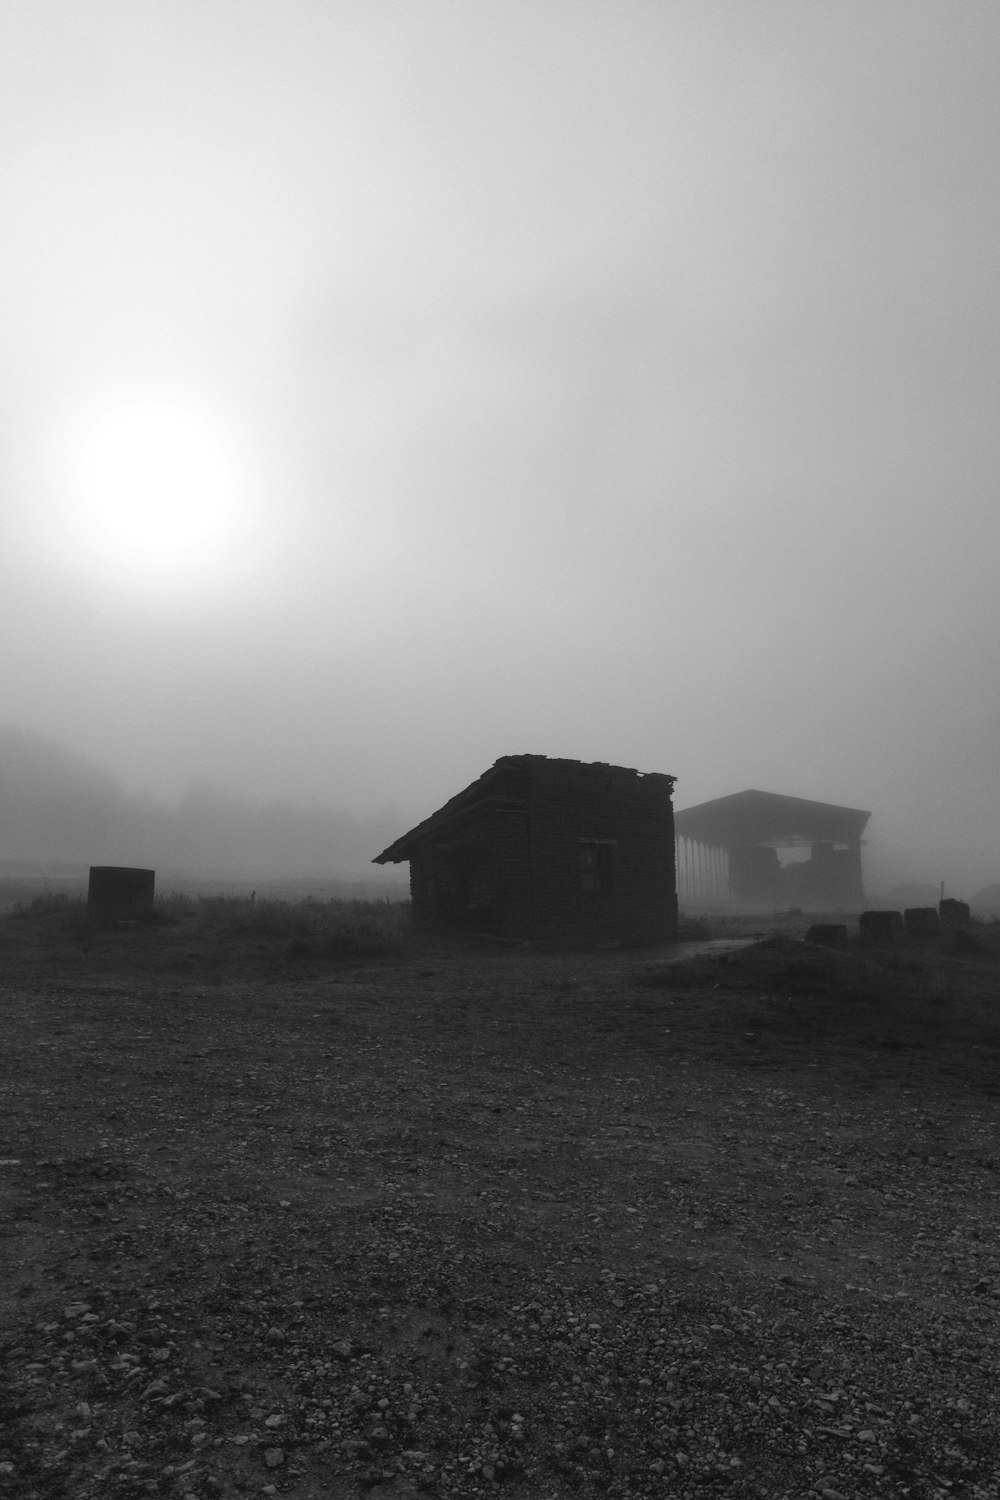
503	788
496	789
754	817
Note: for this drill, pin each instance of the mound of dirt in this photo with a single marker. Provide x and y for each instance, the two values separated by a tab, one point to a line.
897	999
782	966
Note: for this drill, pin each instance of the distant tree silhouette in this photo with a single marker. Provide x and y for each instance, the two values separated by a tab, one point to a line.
57	807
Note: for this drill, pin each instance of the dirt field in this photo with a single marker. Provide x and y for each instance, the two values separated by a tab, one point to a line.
280	1216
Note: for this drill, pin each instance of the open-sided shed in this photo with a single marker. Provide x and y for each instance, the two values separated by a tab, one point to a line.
729	847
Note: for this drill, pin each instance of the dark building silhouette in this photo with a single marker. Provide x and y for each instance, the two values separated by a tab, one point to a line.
120	891
728	848
550	851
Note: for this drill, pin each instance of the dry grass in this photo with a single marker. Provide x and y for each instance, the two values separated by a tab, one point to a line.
210	931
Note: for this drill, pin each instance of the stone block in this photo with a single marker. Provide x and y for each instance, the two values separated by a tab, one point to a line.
881	926
120	892
921	921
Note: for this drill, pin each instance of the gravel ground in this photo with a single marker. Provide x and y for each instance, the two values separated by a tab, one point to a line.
461	1222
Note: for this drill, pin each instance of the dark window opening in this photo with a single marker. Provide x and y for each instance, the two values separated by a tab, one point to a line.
595	868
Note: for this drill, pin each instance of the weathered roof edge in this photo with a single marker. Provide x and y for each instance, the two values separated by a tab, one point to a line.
464	803
459	806
442	822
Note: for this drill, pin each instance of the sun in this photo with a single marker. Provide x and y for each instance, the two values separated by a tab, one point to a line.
155	487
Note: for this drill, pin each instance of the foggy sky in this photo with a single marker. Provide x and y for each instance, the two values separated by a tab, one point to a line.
613	381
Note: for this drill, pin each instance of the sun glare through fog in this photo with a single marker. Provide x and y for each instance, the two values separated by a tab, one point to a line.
152	484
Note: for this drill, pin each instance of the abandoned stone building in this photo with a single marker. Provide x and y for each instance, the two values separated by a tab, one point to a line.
551	851
766	850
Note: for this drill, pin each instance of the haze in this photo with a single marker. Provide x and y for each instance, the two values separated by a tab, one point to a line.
613	381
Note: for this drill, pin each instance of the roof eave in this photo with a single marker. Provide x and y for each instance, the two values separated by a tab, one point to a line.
442	822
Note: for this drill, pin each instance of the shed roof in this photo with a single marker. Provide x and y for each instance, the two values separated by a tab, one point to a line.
503	788
754	817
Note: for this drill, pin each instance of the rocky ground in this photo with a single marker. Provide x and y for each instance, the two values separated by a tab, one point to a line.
455	1221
